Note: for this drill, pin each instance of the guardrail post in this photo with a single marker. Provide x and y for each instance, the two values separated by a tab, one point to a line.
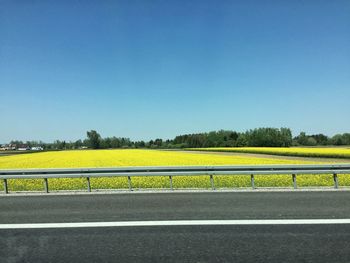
336	183
88	184
252	181
171	182
46	185
212	182
294	177
6	190
129	183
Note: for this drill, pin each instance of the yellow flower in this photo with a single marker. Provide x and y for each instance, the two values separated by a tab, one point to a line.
136	157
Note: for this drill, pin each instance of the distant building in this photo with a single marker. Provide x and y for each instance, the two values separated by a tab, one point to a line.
38	148
23	147
8	147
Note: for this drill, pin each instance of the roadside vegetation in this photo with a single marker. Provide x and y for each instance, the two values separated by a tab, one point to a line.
136	157
326	152
260	137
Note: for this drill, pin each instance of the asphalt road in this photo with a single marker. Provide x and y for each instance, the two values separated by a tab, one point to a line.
219	243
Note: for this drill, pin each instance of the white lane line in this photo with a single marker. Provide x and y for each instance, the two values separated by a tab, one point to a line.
178	223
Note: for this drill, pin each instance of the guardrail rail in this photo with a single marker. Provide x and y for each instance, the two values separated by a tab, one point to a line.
172	171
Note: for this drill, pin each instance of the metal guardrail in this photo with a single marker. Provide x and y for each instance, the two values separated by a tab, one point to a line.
171	171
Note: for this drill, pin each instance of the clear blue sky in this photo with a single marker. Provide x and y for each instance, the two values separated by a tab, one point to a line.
148	69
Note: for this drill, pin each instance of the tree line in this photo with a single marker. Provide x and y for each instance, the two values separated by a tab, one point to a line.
259	137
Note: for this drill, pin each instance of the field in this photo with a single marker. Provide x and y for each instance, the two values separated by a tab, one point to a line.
114	158
294	151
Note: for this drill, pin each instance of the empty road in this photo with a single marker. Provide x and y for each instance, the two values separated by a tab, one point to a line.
321	238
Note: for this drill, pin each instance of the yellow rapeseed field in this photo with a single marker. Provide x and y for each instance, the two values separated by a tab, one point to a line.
135	157
332	152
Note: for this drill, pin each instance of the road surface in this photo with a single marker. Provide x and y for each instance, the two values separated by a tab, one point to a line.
174	242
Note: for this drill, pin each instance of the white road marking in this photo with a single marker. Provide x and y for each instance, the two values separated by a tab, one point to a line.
178	223
171	192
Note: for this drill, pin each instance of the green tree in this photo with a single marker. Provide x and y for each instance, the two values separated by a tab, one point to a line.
94	139
338	140
302	138
78	144
241	140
